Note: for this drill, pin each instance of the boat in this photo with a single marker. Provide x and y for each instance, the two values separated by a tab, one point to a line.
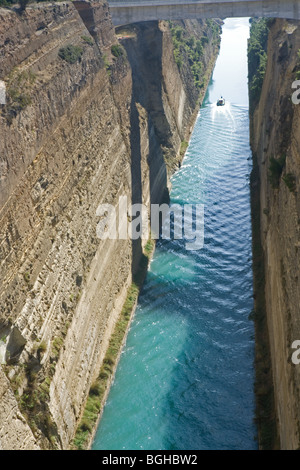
221	102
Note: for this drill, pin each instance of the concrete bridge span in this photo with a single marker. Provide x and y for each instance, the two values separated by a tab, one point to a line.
132	11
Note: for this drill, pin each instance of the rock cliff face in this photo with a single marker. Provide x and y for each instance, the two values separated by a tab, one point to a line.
81	127
275	138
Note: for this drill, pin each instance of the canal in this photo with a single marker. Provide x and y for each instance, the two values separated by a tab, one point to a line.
185	378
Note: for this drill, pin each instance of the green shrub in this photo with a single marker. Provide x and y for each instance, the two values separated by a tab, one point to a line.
42	347
178	58
109	361
88	40
20	99
199	48
57	345
95	389
178	33
183	147
191	42
214	27
85	425
106	64
70	53
117	50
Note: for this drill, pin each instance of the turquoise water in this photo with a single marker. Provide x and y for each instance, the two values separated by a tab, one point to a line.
185	379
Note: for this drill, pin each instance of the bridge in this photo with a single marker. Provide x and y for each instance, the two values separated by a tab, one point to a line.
132	11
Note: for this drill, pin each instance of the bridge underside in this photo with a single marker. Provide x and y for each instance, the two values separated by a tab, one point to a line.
126	12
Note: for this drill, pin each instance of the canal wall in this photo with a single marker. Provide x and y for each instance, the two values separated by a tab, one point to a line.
88	118
275	141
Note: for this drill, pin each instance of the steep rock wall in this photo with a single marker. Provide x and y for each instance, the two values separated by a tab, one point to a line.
275	135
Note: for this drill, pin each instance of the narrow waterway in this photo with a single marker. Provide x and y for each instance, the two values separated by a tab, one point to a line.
185	379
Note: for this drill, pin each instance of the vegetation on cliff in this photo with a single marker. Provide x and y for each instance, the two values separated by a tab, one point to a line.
19	86
117	50
70	53
257	58
189	49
